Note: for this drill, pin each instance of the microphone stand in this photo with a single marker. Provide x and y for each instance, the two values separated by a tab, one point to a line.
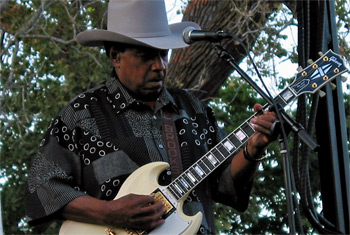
296	127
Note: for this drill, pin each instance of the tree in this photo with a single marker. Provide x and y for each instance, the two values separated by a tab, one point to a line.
42	67
245	19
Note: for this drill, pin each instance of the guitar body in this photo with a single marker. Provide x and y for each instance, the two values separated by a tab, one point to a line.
143	181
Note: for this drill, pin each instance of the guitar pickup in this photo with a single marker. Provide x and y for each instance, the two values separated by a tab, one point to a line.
169	207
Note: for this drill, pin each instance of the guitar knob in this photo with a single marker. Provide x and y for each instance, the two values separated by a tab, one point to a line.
333	86
320	53
310	61
321	93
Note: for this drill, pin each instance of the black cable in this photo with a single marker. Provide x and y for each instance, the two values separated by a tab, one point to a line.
301	43
316	219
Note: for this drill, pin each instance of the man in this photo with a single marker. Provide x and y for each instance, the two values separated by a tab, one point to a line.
108	132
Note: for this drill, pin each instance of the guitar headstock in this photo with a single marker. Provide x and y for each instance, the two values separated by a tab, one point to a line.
319	73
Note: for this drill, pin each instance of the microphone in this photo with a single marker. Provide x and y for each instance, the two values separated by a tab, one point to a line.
191	35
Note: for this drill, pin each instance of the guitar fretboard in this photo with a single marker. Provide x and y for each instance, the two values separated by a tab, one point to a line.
191	177
195	174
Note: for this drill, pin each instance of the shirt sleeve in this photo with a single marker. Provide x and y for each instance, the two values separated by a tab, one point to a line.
225	190
54	178
232	194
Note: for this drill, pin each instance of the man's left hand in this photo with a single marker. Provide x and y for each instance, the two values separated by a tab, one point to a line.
262	125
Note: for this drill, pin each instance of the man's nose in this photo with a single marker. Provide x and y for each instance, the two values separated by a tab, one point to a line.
159	63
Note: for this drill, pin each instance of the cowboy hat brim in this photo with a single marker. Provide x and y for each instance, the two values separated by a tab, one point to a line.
174	40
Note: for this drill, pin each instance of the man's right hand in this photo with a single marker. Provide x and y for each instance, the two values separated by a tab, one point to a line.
135	211
131	211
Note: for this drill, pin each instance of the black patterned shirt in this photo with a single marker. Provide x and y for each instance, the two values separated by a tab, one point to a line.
104	134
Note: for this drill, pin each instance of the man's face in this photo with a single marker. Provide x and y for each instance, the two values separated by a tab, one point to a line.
142	70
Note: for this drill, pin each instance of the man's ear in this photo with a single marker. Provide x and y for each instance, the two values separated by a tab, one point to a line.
116	60
114	55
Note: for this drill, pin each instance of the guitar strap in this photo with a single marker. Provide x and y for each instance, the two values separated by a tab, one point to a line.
172	145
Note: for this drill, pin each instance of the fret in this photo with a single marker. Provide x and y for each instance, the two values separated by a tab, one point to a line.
178	189
191	177
248	130
188	180
229	146
182	187
184	182
279	100
194	173
204	167
174	192
217	154
200	170
287	95
212	159
234	140
208	163
242	137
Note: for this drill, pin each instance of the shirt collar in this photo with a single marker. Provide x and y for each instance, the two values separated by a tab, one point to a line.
121	99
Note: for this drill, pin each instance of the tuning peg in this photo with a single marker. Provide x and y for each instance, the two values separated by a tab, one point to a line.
310	61
321	93
299	69
320	53
343	78
333	86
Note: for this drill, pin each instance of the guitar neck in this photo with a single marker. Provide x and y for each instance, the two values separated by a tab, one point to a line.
230	145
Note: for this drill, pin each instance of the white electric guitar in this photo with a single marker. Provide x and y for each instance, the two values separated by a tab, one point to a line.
144	180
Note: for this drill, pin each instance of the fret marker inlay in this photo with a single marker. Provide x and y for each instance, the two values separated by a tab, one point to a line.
228	145
190	176
178	188
199	171
184	183
240	135
212	159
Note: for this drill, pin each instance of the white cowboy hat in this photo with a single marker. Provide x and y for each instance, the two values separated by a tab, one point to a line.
138	22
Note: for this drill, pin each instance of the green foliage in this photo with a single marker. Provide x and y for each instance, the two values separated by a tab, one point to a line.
234	92
42	68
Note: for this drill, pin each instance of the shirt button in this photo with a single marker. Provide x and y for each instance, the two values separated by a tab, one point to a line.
160	146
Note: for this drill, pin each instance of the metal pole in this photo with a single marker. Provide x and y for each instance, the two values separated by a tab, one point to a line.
331	133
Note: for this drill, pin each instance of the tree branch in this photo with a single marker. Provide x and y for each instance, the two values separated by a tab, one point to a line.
3	5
